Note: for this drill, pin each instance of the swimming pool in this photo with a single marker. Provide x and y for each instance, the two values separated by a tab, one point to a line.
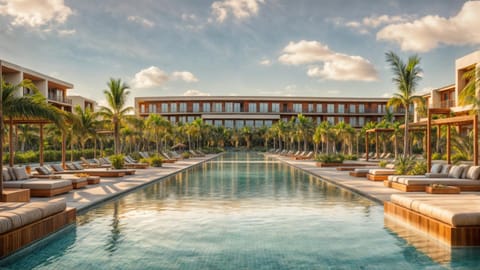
239	211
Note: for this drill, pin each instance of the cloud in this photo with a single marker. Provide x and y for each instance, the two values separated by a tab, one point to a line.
193	92
66	32
429	32
265	62
336	66
142	21
184	76
240	9
35	13
149	77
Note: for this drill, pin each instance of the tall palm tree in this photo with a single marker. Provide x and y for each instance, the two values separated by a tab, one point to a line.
468	95
406	77
85	126
158	125
116	95
304	127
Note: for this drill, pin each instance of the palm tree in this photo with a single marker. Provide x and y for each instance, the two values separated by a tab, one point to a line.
85	126
468	95
247	135
116	95
406	77
304	127
324	130
158	125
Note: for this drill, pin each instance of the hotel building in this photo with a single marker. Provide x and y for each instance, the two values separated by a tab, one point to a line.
257	111
54	90
83	102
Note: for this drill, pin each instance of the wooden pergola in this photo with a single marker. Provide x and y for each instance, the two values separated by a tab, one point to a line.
41	123
449	121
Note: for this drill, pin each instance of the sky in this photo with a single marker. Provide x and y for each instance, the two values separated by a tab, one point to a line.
324	48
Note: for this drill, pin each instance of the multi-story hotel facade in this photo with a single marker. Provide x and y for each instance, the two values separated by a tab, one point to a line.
257	111
54	90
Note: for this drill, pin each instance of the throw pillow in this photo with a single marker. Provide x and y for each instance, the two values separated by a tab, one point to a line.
436	168
20	173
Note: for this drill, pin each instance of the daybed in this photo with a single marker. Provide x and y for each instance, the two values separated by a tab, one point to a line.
44	172
17	178
463	176
362	172
453	219
380	174
23	223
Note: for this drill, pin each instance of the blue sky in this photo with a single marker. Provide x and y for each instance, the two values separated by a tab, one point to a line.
237	47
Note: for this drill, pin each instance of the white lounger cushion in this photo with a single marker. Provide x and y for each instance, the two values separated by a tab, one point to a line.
38	184
381	171
473	173
455	210
455	172
436	168
443	181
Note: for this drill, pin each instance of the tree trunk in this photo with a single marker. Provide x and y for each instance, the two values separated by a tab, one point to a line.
116	131
405	139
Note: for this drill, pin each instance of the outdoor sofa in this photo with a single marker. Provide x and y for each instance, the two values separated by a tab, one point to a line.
17	177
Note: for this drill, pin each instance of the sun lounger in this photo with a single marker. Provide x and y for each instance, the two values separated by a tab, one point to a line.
309	155
453	219
76	168
23	223
130	163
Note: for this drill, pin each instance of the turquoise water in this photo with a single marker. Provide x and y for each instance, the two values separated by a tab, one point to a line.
240	211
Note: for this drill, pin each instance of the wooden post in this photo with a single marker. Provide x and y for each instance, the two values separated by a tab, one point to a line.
429	148
1	131
64	147
41	145
475	140
10	142
366	145
449	160
376	145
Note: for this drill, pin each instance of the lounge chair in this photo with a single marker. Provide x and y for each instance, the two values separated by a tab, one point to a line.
44	172
87	164
309	155
380	174
130	163
363	172
73	168
17	177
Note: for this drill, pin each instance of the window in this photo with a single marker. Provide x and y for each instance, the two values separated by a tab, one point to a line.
352	108
218	123
196	107
229	123
258	123
209	122
173	107
183	107
341	119
142	108
190	119
268	123
319	108
361	108
182	119
319	120
263	107
310	108
206	107
275	107
353	121
361	121
229	107
173	119
297	107
252	107
239	123
331	119
249	123
217	107
330	108
152	108
164	107
236	107
341	108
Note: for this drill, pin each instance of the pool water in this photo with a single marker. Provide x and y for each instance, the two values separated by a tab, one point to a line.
239	211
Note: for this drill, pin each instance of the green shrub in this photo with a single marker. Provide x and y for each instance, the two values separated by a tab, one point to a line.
419	168
145	160
330	158
117	161
350	157
458	157
404	165
156	161
382	163
436	156
186	155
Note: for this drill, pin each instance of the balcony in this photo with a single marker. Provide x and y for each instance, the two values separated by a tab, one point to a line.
59	99
447	103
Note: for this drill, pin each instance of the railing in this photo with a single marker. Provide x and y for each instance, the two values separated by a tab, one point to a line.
60	99
447	103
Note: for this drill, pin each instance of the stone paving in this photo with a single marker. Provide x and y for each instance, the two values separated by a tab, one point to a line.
110	187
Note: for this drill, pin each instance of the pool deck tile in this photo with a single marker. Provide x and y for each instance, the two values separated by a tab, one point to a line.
109	188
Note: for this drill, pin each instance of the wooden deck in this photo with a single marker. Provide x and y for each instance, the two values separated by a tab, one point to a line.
16	239
453	236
